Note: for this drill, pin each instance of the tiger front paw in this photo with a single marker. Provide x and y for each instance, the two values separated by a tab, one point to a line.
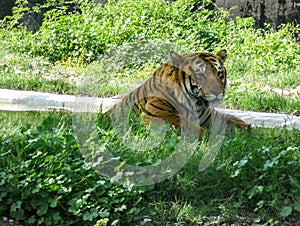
242	125
235	122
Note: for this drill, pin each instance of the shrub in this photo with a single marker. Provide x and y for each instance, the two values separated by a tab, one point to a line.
264	171
44	180
86	35
264	51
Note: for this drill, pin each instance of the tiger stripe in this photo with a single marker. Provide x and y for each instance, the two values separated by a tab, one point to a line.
185	88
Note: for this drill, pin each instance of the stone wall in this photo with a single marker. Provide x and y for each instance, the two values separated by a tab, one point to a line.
6	7
275	12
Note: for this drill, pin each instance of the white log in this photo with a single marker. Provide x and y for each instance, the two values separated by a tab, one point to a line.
267	120
17	100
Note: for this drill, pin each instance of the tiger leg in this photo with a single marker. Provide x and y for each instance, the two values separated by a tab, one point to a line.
237	122
232	121
159	110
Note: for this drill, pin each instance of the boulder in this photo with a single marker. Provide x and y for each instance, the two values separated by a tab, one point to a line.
274	12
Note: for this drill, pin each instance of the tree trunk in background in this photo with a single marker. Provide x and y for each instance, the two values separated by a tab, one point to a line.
274	12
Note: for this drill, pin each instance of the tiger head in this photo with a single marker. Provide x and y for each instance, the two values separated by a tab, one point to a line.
203	75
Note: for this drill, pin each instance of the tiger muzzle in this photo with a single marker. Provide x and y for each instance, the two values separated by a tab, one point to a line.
215	100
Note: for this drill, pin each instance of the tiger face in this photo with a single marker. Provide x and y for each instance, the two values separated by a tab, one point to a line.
204	75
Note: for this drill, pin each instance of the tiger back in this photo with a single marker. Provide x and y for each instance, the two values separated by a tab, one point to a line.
184	89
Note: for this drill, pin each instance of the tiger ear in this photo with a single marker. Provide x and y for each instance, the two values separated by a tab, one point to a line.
176	58
222	54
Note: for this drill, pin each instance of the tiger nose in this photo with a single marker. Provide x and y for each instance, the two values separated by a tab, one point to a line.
216	97
217	94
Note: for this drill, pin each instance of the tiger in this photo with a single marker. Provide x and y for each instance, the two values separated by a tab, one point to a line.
184	89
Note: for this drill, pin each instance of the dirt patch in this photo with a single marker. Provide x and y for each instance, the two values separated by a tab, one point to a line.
292	93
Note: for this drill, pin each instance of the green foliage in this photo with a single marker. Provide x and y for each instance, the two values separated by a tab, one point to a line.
254	173
264	51
254	99
84	36
153	148
258	60
272	165
44	180
262	60
22	71
43	177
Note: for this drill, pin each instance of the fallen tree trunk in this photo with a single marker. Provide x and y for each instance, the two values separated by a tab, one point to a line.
16	100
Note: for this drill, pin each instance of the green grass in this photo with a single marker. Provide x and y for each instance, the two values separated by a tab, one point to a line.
256	90
44	179
248	89
254	177
22	71
256	58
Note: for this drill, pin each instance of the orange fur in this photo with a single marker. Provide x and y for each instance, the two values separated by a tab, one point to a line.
184	90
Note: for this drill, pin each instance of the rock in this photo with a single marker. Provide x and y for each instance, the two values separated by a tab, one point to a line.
6	7
274	12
